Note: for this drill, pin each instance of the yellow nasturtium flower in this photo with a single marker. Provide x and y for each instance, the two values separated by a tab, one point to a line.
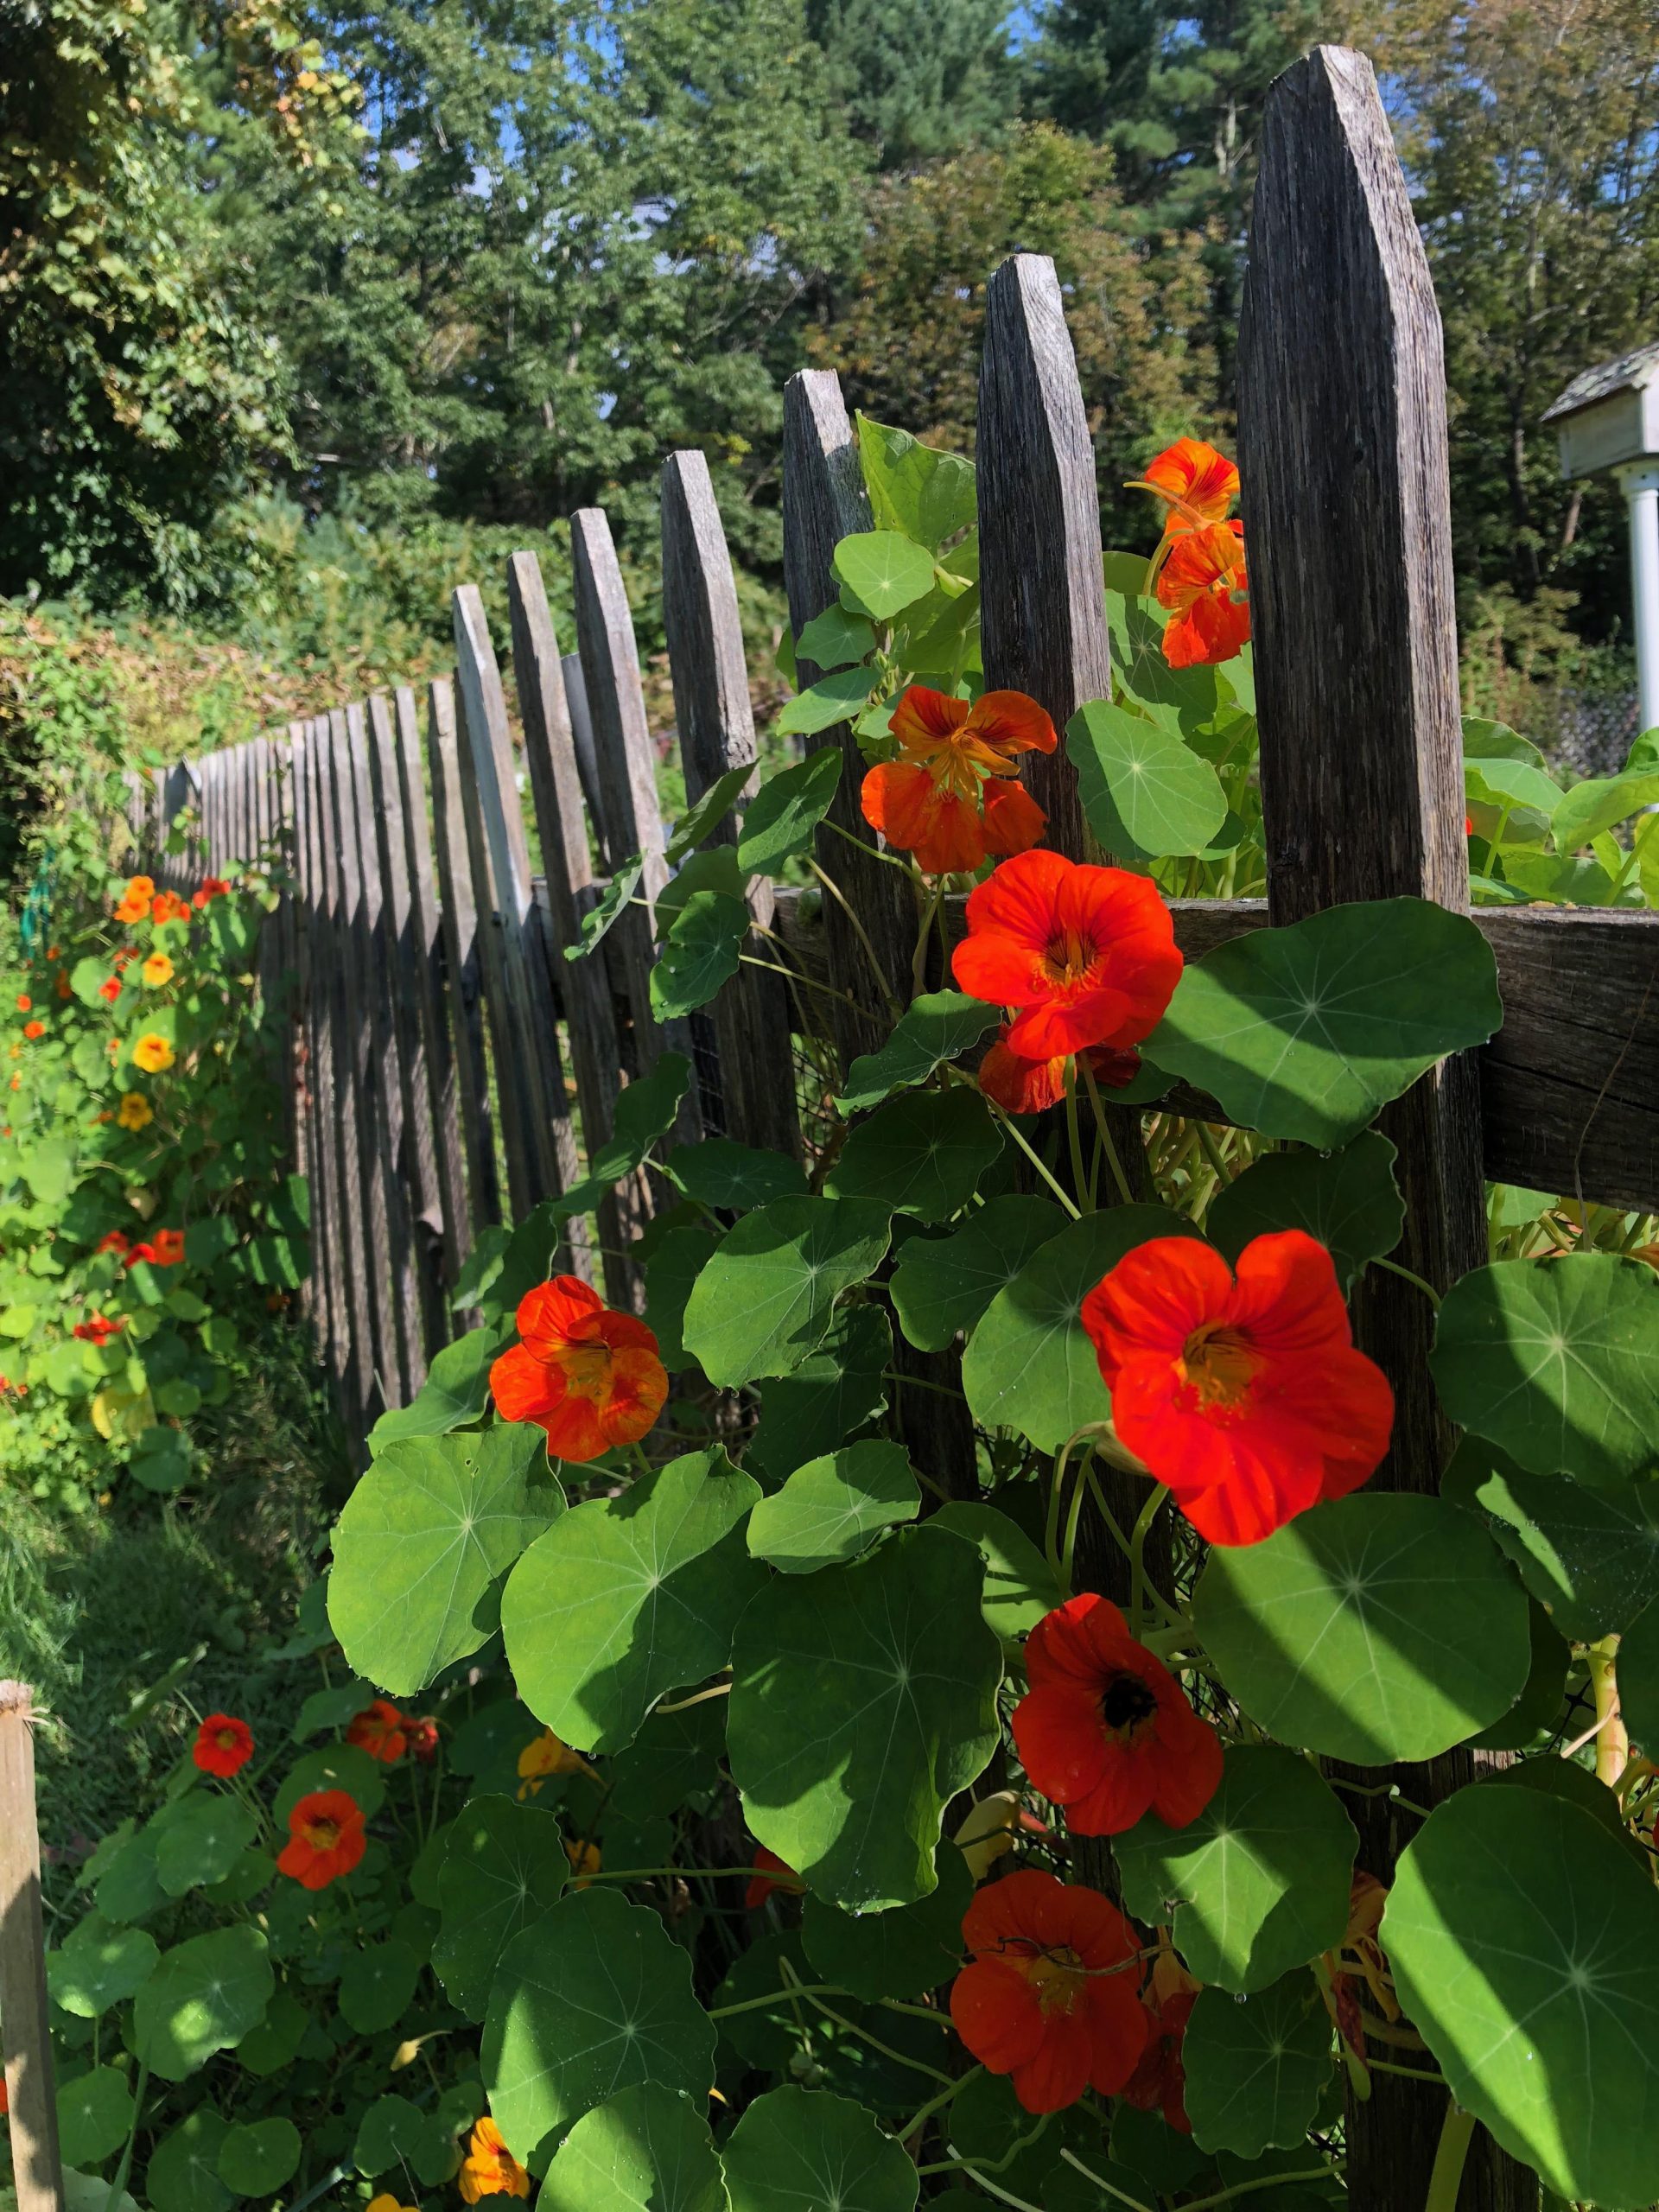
489	2168
157	970
153	1053
134	1112
543	1755
385	2203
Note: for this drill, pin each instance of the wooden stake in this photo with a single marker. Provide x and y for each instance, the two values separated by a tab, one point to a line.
34	2105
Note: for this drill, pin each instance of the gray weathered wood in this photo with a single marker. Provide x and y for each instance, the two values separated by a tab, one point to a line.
350	1351
582	736
463	961
30	2096
625	766
1042	598
753	1058
1347	518
425	929
824	500
596	1032
524	1026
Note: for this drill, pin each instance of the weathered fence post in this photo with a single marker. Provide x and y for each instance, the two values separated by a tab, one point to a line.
1347	515
344	1284
753	1055
24	2015
462	961
596	1054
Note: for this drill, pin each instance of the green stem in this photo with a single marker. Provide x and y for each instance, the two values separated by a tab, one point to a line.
1138	1588
1074	1136
1024	1143
1089	2174
1264	2180
919	958
1212	1152
119	2182
992	2188
1406	1275
1106	1144
891	859
1080	1490
1444	2182
1051	1525
935	2104
886	2050
862	935
772	1996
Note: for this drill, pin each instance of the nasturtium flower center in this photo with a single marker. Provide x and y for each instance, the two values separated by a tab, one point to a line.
1058	1975
1071	955
1128	1702
321	1834
1220	1365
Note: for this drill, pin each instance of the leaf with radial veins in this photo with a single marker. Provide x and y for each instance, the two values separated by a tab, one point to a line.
921	1155
1305	1032
1259	1881
1348	1200
1590	1556
1145	793
1521	1938
834	1508
1256	2071
863	1699
422	1544
1556	1362
801	2149
648	2150
628	1598
1369	1628
765	1301
505	1867
943	1284
938	1026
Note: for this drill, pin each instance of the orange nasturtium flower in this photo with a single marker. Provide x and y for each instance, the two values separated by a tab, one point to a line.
771	1872
1105	1729
164	1249
1050	1997
24	1001
153	1053
589	1377
1021	1086
544	1756
136	899
382	1731
586	1860
489	2168
954	794
110	988
213	886
1197	485
325	1839
1243	1393
134	1112
169	907
98	1328
157	970
34	1029
224	1745
385	2202
1086	956
1205	582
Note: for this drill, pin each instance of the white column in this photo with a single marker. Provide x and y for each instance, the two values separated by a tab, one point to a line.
1640	480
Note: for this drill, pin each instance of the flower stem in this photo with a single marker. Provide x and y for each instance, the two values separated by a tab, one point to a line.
1105	1134
1025	1145
1455	2137
919	958
935	2104
1406	1275
1612	1739
1074	1137
861	934
1139	1590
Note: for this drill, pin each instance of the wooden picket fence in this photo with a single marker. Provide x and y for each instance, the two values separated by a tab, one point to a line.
449	1068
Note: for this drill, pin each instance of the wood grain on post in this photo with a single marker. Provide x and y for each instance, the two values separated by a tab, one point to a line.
463	961
525	1036
1347	521
754	1057
332	1230
595	1034
33	2117
626	773
426	950
582	736
824	500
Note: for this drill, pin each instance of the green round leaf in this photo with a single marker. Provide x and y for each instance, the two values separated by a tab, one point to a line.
1145	793
422	1544
835	638
898	1953
594	1998
833	698
923	1154
881	572
735	1177
1639	1680
1256	2071
1348	1200
94	2115
834	1508
100	1965
676	1259
938	1026
505	1866
1543	1695
456	1390
1019	1584
1305	1032
647	2150
334	1766
827	1398
699	955
204	1996
943	1284
1556	1362
274	2041
928	494
183	2169
627	1597
863	1699
1521	1939
394	2133
200	1840
780	820
256	2159
377	1985
1371	1628
800	2150
764	1302
1589	1556
1259	1883
1029	1366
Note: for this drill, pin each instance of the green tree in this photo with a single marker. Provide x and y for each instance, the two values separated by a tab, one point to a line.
917	78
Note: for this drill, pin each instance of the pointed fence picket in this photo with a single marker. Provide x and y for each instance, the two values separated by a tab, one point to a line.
435	1016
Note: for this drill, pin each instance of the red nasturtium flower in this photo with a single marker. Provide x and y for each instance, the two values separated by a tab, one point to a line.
1050	1995
24	1001
34	1029
110	988
771	1872
1159	2083
113	1240
1197	484
954	794
325	1839
213	886
224	1745
1085	956
489	2168
1105	1729
1244	1394
1205	582
98	1328
1021	1086
423	1738
589	1377
382	1731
